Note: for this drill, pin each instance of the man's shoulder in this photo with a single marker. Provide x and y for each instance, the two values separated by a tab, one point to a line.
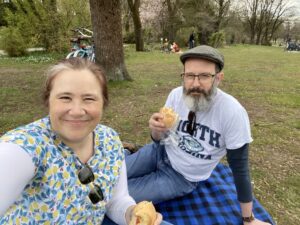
227	98
228	104
175	94
176	91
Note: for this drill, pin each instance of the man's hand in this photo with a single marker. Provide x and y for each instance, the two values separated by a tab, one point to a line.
256	222
156	125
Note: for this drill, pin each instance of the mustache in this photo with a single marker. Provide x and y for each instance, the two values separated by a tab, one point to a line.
196	90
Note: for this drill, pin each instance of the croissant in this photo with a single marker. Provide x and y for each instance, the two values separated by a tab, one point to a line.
170	117
143	213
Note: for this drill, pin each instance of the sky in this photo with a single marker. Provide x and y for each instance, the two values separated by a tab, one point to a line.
296	4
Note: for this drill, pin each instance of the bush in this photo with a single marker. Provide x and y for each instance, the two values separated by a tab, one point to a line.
217	39
12	42
129	38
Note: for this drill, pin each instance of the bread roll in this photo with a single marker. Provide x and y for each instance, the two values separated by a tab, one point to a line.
143	213
170	117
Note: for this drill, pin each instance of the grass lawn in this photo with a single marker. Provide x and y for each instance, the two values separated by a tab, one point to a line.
266	80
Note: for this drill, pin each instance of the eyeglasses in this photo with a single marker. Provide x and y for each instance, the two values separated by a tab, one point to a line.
86	176
191	126
201	76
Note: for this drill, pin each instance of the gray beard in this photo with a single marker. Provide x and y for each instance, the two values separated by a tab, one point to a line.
199	103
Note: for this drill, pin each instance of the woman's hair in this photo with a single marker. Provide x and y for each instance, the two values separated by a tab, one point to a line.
75	64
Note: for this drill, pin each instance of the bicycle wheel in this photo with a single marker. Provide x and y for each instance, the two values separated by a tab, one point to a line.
70	55
81	54
92	57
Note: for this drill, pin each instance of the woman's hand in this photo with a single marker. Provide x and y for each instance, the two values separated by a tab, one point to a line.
131	219
158	219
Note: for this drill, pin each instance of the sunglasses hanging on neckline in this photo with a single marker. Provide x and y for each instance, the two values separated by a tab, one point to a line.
86	176
191	126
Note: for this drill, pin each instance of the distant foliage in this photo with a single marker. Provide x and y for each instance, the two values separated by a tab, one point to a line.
129	38
217	39
47	23
12	42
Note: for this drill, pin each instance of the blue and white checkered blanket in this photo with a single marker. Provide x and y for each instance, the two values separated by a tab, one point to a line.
214	202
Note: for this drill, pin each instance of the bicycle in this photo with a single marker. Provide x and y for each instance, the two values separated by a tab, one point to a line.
80	49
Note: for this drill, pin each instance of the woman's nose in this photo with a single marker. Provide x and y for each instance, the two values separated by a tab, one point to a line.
77	109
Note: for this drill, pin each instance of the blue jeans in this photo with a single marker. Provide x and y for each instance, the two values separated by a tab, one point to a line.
152	178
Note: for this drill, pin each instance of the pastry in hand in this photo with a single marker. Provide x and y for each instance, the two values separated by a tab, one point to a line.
143	213
170	116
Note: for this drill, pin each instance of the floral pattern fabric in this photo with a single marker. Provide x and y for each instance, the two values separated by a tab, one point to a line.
55	194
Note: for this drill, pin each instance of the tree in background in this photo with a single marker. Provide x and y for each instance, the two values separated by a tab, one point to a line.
3	6
222	9
264	18
107	27
174	19
134	6
34	23
199	14
295	31
75	14
46	23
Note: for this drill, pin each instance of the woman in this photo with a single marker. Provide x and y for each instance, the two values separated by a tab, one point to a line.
66	168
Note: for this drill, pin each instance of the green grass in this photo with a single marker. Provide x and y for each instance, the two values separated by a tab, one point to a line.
266	80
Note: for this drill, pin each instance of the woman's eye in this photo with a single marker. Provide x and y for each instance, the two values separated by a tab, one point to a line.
89	99
65	98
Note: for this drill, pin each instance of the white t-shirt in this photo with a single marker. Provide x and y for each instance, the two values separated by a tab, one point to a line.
225	125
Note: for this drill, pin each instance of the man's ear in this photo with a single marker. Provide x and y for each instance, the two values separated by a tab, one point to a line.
220	76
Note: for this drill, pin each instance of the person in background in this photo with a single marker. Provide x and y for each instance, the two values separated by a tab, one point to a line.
175	48
162	44
211	124
66	168
192	40
166	46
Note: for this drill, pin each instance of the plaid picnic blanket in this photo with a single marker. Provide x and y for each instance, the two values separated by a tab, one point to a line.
214	202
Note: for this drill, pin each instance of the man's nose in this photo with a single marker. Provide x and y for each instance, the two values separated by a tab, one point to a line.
197	82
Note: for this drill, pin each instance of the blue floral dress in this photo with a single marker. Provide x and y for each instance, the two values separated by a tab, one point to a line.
55	194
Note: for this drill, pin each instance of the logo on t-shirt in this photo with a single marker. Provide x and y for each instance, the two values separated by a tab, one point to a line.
192	146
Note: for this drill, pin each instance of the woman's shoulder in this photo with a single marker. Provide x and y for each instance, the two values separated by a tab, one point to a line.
105	130
108	140
30	133
30	138
106	135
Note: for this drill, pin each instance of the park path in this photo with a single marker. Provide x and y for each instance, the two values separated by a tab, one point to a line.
2	52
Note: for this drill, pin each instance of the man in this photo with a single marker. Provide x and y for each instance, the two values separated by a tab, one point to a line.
192	40
212	124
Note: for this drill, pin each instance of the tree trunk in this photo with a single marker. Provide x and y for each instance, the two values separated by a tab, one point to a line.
252	8
203	37
107	27
171	19
134	8
223	8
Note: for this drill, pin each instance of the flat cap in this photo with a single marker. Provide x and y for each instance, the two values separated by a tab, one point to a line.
204	52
